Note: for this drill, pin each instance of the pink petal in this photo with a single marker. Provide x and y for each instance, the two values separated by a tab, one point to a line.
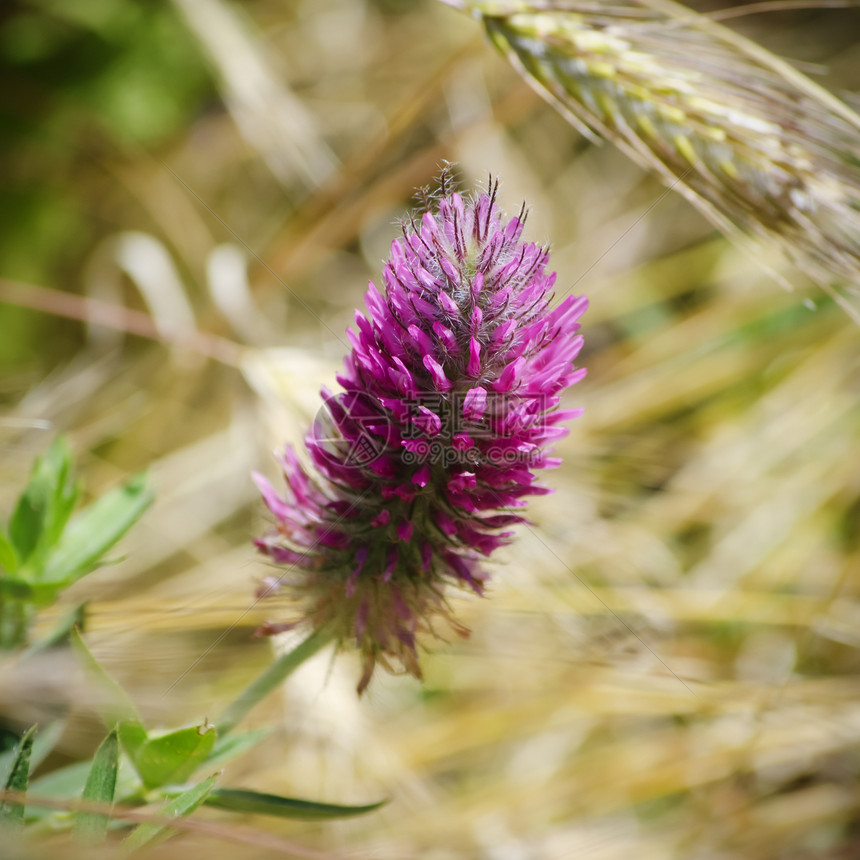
381	519
462	481
473	368
422	476
462	442
441	381
510	376
475	403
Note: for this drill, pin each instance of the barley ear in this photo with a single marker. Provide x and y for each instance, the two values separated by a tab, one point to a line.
763	152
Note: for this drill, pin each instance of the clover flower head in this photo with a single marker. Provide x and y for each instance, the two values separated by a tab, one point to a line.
421	463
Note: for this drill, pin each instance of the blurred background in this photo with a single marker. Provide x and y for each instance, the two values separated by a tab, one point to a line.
194	195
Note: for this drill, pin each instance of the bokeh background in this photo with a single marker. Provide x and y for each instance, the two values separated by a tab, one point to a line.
666	666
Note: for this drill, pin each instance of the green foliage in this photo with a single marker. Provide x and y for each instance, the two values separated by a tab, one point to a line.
85	83
44	742
18	779
173	757
43	509
97	529
45	549
258	803
183	804
132	64
69	782
158	762
100	788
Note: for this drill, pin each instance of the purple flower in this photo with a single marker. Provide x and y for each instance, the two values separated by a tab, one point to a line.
450	401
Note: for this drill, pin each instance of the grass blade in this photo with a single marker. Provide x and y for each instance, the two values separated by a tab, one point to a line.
43	744
101	787
18	779
258	803
181	805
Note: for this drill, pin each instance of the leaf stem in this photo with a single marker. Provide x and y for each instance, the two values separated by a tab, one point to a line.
15	618
237	710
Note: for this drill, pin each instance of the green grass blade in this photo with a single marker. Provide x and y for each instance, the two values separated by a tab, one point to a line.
100	787
45	741
258	803
69	782
7	759
181	805
18	779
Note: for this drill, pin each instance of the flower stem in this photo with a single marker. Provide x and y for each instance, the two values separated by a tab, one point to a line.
15	619
238	709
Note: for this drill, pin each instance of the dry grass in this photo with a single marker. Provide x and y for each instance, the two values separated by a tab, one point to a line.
667	664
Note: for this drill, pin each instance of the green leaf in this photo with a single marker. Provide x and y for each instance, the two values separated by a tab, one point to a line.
40	593
228	748
18	779
175	756
100	787
45	741
65	490
6	760
119	710
96	529
8	556
45	505
28	520
243	800
181	805
69	781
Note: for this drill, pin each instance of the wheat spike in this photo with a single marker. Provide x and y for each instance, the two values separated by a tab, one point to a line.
760	149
